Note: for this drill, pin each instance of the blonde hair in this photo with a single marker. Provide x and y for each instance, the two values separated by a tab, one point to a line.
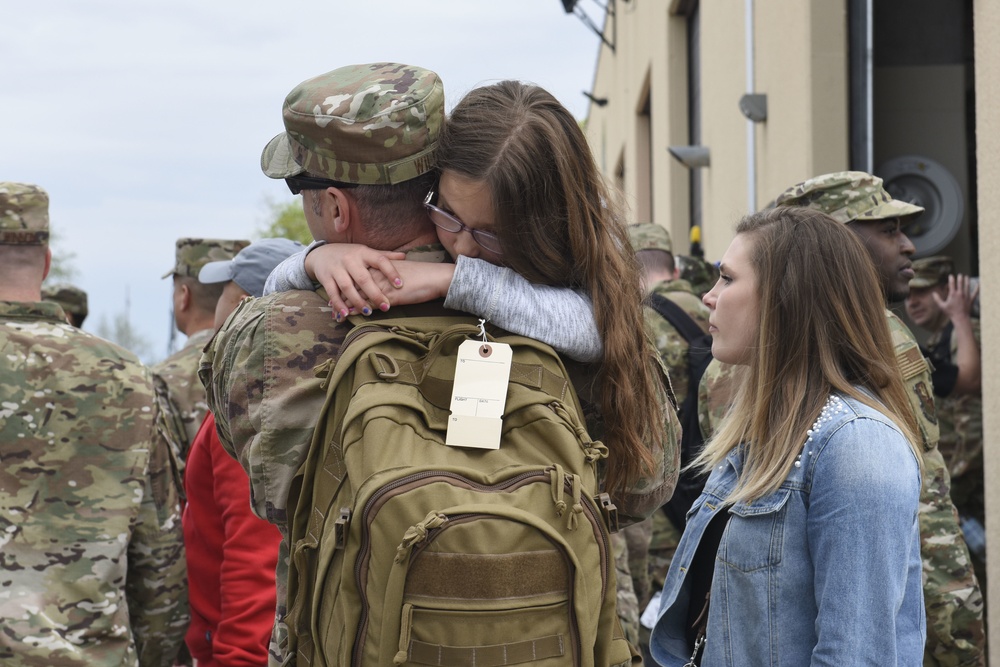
822	330
557	225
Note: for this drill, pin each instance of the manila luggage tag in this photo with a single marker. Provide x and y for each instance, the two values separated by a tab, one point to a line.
479	394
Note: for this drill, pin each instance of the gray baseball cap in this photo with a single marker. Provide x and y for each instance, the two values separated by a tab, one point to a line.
250	268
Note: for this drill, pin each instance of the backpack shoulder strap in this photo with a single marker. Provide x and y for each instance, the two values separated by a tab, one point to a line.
676	316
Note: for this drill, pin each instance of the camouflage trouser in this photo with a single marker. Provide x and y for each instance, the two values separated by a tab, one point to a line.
952	598
628	605
662	545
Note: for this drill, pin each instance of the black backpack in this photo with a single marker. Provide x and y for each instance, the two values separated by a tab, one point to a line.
690	483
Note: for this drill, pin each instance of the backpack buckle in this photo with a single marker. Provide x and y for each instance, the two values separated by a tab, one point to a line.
385	366
609	511
340	528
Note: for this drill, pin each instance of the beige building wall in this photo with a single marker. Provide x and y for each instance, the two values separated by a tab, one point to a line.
801	64
805	133
986	16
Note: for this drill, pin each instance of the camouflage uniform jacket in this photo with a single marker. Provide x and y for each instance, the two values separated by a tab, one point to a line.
961	418
180	392
266	399
92	557
954	603
670	344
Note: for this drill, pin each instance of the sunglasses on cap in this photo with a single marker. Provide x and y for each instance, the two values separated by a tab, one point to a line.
302	182
448	222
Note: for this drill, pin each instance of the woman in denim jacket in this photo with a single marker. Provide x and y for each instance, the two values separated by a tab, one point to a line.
806	534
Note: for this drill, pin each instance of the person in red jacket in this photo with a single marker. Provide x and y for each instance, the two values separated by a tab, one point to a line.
231	554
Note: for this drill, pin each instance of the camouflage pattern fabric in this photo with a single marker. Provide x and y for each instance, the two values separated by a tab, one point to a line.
266	400
373	124
72	299
651	560
192	254
93	569
847	196
931	271
952	597
180	393
700	273
961	445
24	214
648	236
669	343
627	603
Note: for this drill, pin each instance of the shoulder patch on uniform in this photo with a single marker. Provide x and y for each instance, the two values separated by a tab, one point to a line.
912	363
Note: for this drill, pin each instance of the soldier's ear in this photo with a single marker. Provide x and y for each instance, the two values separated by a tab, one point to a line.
183	298
48	263
344	212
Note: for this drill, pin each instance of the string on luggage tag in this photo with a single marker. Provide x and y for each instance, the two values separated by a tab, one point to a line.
482	329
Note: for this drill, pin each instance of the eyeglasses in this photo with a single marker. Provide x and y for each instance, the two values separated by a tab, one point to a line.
450	223
302	182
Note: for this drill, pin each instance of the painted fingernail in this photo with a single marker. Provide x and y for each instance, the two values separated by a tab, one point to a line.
397	282
383	306
366	310
344	312
336	316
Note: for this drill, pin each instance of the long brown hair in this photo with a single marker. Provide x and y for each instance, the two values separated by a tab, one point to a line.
822	329
558	226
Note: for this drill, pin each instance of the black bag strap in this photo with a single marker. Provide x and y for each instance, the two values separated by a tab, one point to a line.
677	317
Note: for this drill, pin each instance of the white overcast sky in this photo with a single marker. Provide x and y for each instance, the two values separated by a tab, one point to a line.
145	120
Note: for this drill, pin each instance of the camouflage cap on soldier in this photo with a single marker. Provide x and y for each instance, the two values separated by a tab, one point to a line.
649	236
373	124
847	196
699	272
192	254
931	271
72	299
24	214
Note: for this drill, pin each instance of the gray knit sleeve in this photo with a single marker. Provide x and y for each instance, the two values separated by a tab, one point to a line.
559	316
291	273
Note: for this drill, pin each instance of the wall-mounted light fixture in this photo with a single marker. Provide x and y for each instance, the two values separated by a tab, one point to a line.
692	157
599	101
754	107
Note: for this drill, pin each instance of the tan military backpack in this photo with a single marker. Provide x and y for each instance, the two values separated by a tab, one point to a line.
406	551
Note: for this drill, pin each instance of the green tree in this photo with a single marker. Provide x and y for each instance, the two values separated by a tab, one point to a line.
286	220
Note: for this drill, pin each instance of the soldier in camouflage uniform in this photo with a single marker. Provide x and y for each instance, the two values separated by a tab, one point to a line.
941	303
92	566
952	597
351	134
181	394
73	301
259	368
652	543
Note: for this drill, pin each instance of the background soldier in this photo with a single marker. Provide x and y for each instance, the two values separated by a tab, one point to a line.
72	299
940	302
652	543
91	559
181	394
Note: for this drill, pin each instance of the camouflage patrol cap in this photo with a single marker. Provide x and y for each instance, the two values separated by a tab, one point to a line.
847	196
192	254
649	236
24	214
373	124
72	299
931	271
700	273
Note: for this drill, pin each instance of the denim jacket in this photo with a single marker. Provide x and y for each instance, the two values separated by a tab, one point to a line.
823	571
